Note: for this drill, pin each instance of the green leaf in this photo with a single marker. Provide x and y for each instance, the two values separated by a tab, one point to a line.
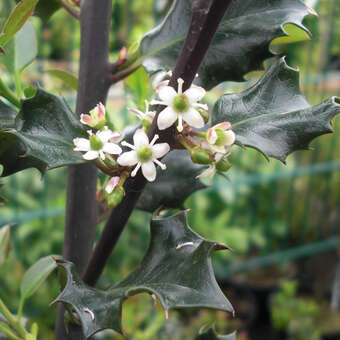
273	116
36	275
241	43
5	243
46	8
67	78
21	50
20	14
42	136
211	334
179	276
174	185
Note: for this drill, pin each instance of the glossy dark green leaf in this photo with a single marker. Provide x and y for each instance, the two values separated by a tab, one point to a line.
211	334
174	185
273	116
46	8
18	17
42	136
241	43
177	269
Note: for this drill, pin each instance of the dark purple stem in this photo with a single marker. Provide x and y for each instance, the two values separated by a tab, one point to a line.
207	14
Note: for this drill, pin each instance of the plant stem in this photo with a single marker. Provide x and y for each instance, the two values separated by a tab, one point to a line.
74	12
206	17
6	330
93	86
8	94
12	320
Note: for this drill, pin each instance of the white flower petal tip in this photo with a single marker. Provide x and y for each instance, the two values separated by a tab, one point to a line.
223	126
230	137
112	184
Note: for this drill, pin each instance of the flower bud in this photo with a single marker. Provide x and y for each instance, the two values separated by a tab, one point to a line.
96	118
201	156
146	123
223	165
116	196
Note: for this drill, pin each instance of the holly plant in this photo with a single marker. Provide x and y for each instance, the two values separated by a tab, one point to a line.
157	164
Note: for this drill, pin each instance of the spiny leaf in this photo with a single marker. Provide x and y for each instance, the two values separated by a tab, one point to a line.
273	116
240	45
67	78
20	14
174	185
211	334
176	268
42	136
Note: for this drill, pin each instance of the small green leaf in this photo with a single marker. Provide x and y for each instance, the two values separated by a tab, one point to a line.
174	185
240	45
36	275
5	243
177	269
67	78
20	14
42	136
211	334
273	116
21	50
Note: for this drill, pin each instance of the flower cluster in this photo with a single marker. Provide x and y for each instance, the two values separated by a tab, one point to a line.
105	147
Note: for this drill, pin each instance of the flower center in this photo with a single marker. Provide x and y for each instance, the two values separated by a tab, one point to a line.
144	154
95	143
180	103
221	137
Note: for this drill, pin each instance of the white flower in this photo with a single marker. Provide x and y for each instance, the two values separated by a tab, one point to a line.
144	154
98	144
220	137
180	106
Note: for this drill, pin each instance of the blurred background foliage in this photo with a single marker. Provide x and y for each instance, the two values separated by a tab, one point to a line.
282	221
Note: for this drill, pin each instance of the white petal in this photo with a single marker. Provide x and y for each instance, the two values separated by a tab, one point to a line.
166	118
160	149
112	149
195	94
223	126
105	135
82	144
211	136
128	158
116	137
112	184
140	139
167	94
193	118
230	137
149	171
90	155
